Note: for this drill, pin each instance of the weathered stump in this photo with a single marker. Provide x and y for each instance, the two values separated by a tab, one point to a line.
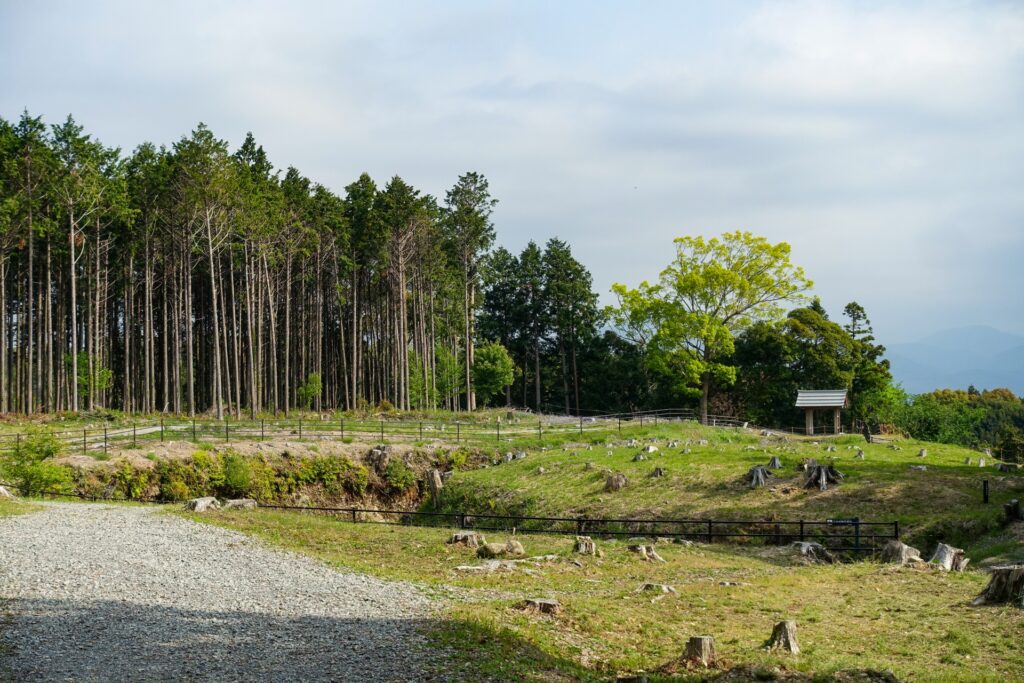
542	605
655	588
646	553
820	476
1012	511
435	484
701	650
860	454
616	481
6	493
585	546
896	552
784	637
758	476
923	453
658	472
774	463
1005	585
1006	467
470	539
490	550
639	457
815	552
948	558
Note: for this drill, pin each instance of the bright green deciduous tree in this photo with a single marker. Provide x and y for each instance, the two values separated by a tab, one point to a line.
711	291
493	370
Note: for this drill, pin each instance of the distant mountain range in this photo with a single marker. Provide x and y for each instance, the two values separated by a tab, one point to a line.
957	358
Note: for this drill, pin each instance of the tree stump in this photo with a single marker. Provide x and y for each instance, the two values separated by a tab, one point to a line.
203	504
615	481
948	558
585	546
774	463
758	476
923	453
639	457
820	476
435	484
470	539
1012	511
656	588
542	605
1006	467
784	637
968	461
646	553
1005	585
896	552
701	650
658	472
814	552
860	454
981	462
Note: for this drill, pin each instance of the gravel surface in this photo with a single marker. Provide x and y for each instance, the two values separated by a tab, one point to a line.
118	593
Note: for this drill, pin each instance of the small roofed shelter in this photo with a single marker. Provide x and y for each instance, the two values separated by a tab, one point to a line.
825	399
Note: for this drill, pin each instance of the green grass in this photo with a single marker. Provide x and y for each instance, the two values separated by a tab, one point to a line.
852	616
944	501
15	507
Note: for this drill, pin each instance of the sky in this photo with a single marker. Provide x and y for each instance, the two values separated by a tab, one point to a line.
883	141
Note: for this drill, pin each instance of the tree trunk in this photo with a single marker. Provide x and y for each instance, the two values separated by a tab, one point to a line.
784	637
1006	585
701	650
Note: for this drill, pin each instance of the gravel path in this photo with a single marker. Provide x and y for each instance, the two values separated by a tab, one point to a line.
118	593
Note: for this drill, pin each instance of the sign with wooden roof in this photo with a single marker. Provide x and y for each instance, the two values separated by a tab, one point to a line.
827	398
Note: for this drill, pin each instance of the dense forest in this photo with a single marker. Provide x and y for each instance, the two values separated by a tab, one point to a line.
199	279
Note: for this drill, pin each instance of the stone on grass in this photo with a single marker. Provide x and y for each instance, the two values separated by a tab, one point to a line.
658	472
616	481
240	504
784	637
514	548
919	468
470	539
203	504
639	457
646	553
655	588
490	550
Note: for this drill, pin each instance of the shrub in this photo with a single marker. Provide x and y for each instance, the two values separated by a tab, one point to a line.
237	475
31	468
399	476
131	482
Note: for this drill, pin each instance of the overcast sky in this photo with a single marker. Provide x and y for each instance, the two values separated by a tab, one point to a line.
884	141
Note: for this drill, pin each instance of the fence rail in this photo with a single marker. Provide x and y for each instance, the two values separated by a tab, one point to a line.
840	535
522	428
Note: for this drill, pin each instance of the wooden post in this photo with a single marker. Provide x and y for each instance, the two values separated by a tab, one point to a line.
836	424
382	430
809	421
83	442
161	430
133	435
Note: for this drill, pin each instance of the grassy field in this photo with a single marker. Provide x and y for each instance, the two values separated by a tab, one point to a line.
861	615
942	502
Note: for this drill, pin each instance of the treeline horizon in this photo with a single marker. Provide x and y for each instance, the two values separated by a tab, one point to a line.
196	279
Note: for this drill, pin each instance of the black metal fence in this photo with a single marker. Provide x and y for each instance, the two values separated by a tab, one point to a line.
840	535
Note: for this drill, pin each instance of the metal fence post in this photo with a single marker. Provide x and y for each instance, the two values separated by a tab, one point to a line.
856	534
263	436
896	529
421	430
161	430
540	437
984	491
581	425
457	431
104	439
342	428
193	429
497	434
227	430
134	439
710	537
382	430
801	531
620	424
300	427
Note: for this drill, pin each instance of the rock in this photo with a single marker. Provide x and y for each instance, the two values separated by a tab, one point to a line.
919	468
948	558
6	493
700	650
655	588
639	457
490	550
813	552
923	453
470	539
896	552
585	546
240	504
651	449
658	472
514	548
784	637
542	605
541	470
615	481
202	504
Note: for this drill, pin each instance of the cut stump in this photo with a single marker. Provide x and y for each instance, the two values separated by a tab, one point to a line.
470	539
542	605
758	476
948	558
585	546
784	637
615	482
701	650
1005	586
820	476
774	463
896	552
1012	511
